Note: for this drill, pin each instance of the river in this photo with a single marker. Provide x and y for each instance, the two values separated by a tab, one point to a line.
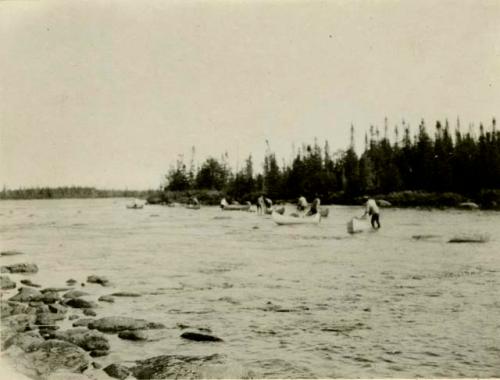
288	301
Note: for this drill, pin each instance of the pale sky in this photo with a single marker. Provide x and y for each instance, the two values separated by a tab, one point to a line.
109	93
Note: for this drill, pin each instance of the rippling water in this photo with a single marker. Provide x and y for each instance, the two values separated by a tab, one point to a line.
289	301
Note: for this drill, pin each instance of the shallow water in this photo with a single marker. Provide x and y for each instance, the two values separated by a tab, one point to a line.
289	301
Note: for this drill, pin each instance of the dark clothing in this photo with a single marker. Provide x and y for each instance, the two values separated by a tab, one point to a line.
312	211
375	220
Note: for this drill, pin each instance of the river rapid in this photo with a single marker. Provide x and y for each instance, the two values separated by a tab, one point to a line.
288	301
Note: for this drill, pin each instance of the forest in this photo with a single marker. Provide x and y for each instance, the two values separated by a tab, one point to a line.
69	192
439	167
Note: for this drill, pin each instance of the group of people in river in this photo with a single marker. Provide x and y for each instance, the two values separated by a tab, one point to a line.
265	205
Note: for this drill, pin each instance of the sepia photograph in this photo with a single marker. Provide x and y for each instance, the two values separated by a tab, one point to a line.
237	189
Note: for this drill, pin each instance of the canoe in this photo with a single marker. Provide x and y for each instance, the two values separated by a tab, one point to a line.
356	225
284	220
279	210
236	208
193	207
135	207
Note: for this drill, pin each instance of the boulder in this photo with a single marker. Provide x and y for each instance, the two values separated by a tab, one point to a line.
102	280
50	297
28	341
73	317
71	281
136	335
26	295
173	366
29	283
200	337
12	308
117	324
6	283
19	268
80	303
39	307
48	318
98	353
86	339
50	357
83	322
75	294
89	312
56	308
16	324
109	299
96	365
6	333
117	371
50	290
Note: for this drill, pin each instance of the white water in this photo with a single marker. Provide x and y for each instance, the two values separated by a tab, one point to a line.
379	304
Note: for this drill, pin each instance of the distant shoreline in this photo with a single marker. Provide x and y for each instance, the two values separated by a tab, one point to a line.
71	192
485	200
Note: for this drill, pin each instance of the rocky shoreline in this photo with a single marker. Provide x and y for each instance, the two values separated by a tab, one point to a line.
34	343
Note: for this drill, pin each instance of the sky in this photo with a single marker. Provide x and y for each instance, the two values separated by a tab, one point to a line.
110	93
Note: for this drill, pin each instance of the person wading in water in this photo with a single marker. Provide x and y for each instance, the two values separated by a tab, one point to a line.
372	209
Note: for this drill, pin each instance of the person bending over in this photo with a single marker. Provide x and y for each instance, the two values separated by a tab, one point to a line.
372	209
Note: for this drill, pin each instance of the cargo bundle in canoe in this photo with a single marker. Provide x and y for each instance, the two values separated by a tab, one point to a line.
284	220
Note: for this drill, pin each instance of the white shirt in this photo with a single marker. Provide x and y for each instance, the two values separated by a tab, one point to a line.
371	207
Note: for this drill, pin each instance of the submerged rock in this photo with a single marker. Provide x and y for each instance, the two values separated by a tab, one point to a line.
19	268
71	281
200	337
75	294
470	238
11	253
117	324
133	335
93	279
29	283
6	283
86	339
26	295
106	299
80	303
174	366
126	294
50	356
117	371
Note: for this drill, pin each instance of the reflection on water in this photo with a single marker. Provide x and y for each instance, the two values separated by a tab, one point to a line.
289	301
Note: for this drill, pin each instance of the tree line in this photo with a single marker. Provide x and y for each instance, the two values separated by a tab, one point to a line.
438	161
68	192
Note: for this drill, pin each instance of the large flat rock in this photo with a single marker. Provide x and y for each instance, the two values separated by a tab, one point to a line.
117	324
